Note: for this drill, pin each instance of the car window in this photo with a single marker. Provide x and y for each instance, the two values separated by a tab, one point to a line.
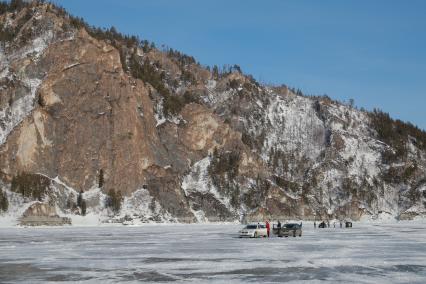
251	227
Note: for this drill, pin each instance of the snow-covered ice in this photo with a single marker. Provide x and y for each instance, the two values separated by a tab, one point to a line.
367	253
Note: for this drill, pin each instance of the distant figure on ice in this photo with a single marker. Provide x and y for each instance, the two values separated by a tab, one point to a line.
279	225
315	225
267	227
334	224
340	224
328	224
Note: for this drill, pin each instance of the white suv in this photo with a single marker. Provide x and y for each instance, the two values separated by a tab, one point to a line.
254	231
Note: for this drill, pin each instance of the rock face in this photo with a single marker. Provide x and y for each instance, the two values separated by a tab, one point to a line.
39	209
183	142
42	214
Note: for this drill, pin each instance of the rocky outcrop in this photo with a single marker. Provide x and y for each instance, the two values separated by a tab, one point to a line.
42	214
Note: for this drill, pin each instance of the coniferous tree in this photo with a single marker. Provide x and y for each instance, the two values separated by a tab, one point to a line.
30	185
16	5
80	198
70	202
83	207
101	178
114	200
215	72
4	203
119	199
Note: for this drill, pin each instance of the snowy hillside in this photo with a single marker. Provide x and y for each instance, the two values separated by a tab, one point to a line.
102	127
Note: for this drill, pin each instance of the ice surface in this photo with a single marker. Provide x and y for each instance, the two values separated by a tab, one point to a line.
367	253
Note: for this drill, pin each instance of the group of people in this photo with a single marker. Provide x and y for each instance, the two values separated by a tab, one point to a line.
326	225
268	226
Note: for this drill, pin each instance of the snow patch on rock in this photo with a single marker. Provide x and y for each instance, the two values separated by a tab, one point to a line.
38	45
14	114
159	115
199	181
142	208
20	109
293	126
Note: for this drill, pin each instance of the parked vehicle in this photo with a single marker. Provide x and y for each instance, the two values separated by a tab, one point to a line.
348	224
322	225
254	231
290	229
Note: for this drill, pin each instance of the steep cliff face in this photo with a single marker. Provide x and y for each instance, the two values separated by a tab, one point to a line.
181	142
70	110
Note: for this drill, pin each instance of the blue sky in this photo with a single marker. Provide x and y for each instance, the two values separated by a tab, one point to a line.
371	51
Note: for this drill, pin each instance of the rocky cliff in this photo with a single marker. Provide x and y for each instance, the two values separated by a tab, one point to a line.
94	111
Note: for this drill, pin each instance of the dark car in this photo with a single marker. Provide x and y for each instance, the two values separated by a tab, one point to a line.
348	224
322	225
291	229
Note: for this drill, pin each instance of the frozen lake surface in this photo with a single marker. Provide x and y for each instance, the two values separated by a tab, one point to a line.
367	253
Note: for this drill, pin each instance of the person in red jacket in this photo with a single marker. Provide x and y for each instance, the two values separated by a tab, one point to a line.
268	228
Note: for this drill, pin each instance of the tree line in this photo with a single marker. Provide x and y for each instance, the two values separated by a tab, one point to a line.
396	133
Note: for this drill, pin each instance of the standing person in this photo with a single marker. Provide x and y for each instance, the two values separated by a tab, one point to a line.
278	228
328	224
340	224
315	225
267	227
334	224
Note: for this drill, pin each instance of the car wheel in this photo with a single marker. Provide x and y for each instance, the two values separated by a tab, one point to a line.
300	234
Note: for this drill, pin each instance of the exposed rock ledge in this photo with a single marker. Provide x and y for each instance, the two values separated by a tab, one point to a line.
42	214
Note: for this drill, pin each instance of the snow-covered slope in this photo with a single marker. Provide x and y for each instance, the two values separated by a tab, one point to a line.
182	142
